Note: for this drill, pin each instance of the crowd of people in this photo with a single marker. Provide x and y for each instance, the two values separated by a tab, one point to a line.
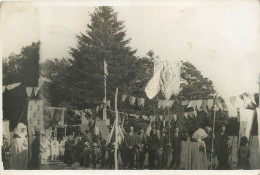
162	149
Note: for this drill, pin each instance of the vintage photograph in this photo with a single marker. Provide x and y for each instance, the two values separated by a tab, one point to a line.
152	85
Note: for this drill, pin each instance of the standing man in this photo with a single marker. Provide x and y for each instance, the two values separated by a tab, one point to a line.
152	149
131	144
142	149
159	147
211	155
35	159
68	156
222	149
176	143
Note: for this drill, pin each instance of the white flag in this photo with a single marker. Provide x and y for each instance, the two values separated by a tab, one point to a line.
246	121
153	86
170	79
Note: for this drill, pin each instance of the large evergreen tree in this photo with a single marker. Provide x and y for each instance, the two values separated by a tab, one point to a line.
103	40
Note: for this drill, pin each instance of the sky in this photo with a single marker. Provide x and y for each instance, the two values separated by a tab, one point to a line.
221	38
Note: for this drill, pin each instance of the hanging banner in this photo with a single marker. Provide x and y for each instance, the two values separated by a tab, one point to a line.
6	131
103	129
84	124
12	86
170	79
34	118
258	120
123	98
246	121
153	86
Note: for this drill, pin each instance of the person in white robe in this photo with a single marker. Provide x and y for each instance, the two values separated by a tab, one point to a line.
54	148
62	147
44	150
19	148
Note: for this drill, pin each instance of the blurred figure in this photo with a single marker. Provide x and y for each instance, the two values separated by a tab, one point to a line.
79	151
211	155
222	149
131	142
159	149
142	149
62	147
54	148
44	149
19	148
68	155
103	151
197	158
35	147
243	155
95	155
87	154
152	149
6	153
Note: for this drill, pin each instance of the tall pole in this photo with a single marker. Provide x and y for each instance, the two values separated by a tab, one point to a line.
116	130
105	92
213	130
238	119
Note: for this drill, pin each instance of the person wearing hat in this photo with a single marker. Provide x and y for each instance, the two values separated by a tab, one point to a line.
95	154
222	149
131	141
142	149
6	153
243	155
176	143
87	154
79	150
69	151
35	147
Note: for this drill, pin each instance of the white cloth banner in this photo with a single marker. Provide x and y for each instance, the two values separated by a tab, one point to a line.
246	121
153	86
258	119
170	79
35	118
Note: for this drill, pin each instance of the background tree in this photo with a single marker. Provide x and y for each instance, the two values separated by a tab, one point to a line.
23	68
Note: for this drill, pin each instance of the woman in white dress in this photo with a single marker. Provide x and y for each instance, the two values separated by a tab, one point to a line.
62	147
54	149
44	150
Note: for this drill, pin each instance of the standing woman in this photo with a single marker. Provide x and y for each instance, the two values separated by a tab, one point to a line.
197	158
62	147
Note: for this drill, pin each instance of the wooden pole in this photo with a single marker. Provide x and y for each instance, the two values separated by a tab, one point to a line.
238	135
213	130
105	93
116	130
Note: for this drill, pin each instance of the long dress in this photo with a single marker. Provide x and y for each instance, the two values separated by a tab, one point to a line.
44	152
19	151
62	147
54	148
197	158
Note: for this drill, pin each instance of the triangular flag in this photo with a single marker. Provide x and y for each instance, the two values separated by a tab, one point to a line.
204	105
192	104
36	90
175	117
170	103
218	104
3	89
77	112
191	114
12	86
210	103
133	100
198	104
160	103
52	110
164	104
184	103
29	91
138	102
123	98
40	82
186	115
108	103
153	86
142	102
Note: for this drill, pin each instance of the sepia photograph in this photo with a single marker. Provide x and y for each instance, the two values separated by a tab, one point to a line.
131	85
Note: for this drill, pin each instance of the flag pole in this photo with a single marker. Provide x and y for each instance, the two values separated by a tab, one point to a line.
116	130
105	92
213	130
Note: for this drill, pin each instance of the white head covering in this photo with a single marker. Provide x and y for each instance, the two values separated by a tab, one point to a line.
200	134
21	130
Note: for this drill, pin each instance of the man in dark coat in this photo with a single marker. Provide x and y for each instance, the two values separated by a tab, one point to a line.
176	143
131	142
79	151
69	149
222	149
142	148
35	147
159	142
152	149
